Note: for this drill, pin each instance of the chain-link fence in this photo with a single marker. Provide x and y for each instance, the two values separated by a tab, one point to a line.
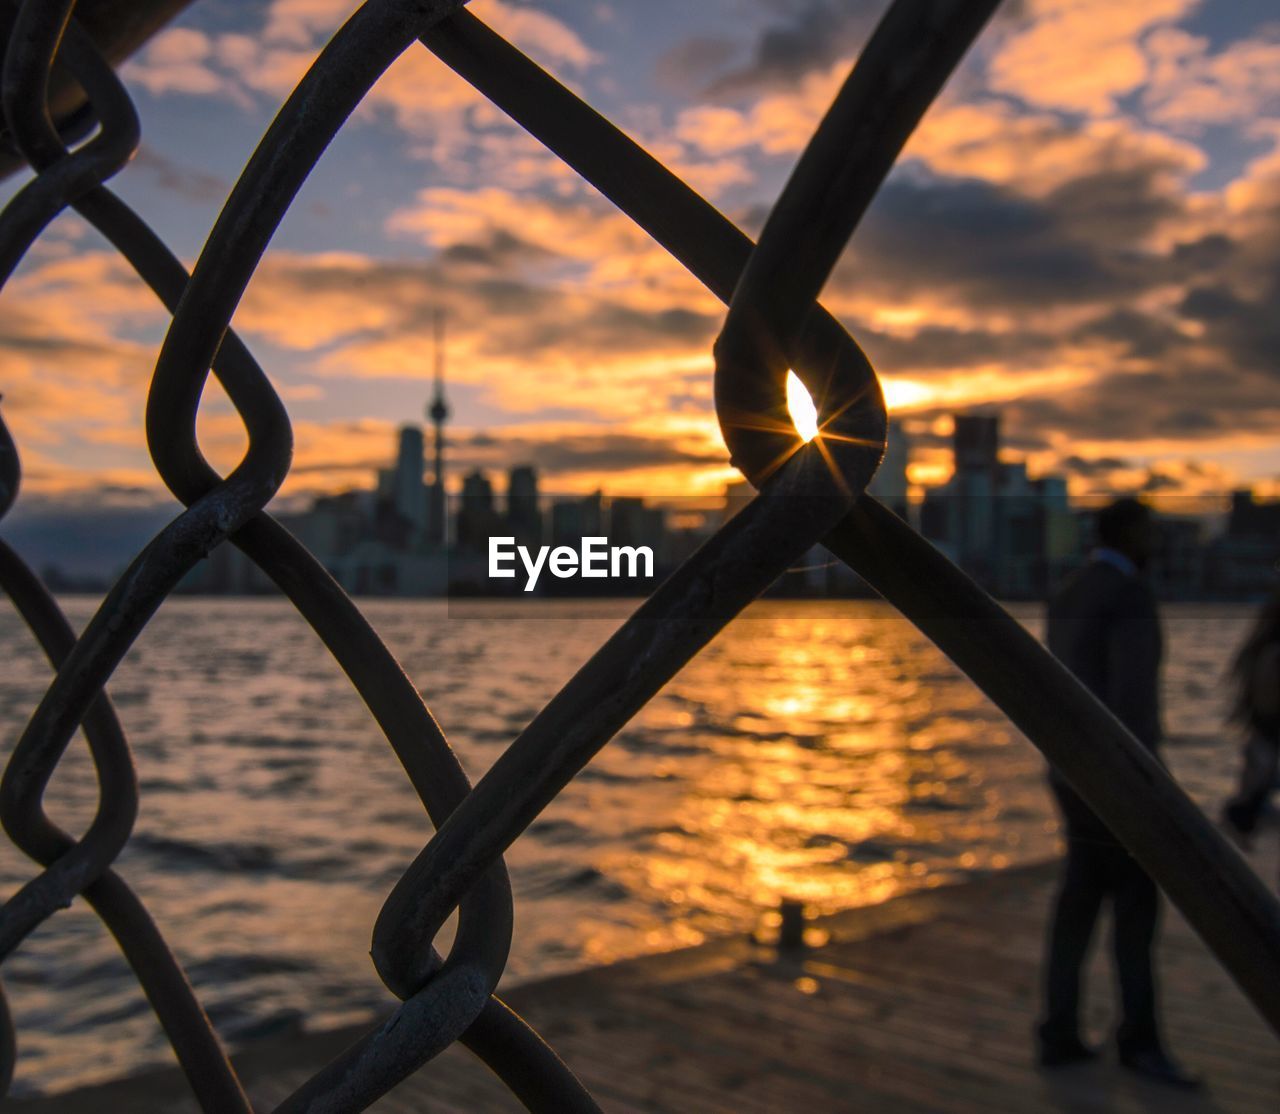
808	493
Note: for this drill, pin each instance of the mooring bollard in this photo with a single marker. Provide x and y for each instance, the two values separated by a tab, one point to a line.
791	928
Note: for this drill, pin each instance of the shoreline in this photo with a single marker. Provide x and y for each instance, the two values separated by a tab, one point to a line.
715	953
699	1010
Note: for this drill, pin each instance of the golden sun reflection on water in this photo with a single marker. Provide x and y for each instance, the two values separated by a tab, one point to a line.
838	761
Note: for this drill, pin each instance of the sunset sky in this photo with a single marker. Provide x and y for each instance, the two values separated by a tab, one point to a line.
1085	231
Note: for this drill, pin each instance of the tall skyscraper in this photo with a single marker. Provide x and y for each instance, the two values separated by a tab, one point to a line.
477	518
889	484
438	412
976	444
524	517
407	494
575	519
1014	534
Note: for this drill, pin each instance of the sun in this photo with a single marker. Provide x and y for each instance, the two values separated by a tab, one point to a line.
804	415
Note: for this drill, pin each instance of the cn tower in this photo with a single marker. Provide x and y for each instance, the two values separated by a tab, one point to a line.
438	412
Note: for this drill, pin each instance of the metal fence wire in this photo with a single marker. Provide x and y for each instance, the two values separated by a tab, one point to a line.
807	493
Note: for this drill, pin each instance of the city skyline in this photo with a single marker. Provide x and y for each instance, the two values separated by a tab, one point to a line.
84	547
1016	533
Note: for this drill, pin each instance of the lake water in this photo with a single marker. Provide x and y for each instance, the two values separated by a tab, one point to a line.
820	751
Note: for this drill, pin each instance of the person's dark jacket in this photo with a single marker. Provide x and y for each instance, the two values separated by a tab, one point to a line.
1104	627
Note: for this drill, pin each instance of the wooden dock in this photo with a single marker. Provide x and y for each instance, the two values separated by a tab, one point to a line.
924	1003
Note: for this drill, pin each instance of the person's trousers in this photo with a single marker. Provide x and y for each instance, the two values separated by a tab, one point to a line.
1097	869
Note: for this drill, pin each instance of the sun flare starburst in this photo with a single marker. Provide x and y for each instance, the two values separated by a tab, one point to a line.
804	415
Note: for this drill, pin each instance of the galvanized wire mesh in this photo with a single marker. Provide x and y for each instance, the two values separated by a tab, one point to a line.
808	493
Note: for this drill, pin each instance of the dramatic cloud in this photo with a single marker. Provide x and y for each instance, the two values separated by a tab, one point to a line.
1192	87
418	92
179	61
811	36
1084	232
1081	55
522	340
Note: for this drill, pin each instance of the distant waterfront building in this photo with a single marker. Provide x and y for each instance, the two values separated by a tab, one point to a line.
1035	540
1244	562
1178	563
1013	534
334	525
575	519
1251	518
1062	549
975	441
889	484
631	522
227	572
959	515
524	516
401	487
477	518
438	412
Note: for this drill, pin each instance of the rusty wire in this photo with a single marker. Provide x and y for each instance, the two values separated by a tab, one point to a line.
808	493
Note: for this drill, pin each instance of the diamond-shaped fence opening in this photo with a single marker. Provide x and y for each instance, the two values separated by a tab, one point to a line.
809	492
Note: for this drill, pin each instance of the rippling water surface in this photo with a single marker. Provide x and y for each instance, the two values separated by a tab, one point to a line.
823	751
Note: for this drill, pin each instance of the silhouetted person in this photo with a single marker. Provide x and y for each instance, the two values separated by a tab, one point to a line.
1256	672
1104	627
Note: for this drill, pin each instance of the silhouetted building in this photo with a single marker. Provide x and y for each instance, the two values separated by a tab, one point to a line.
1244	561
1250	518
477	519
402	496
633	523
334	525
524	516
889	484
575	519
1177	570
226	571
975	442
1062	548
960	514
1013	534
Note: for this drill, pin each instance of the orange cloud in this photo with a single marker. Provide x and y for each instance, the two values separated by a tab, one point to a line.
577	241
177	61
559	304
1036	153
1191	87
419	93
779	123
1081	55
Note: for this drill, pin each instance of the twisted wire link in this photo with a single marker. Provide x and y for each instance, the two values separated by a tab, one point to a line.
157	971
1202	873
807	493
524	1062
20	223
